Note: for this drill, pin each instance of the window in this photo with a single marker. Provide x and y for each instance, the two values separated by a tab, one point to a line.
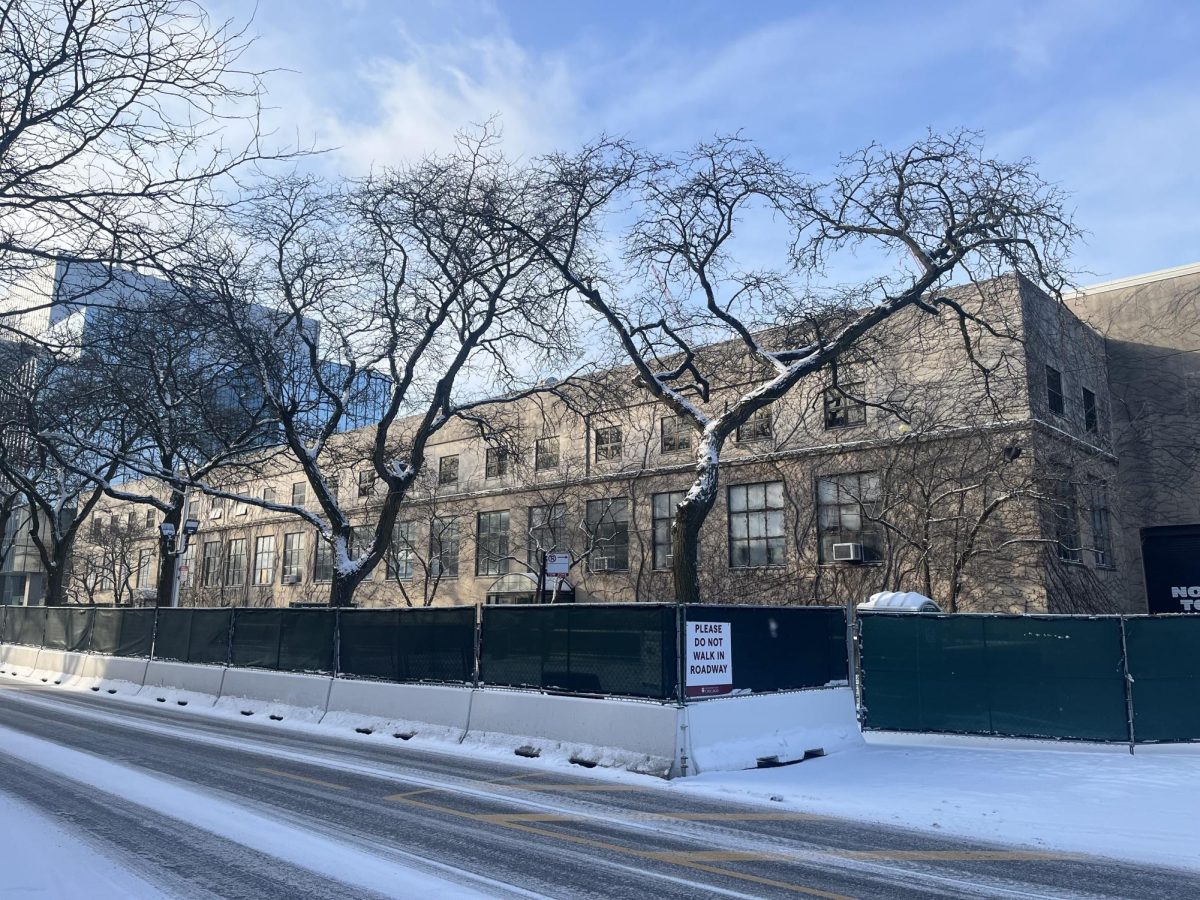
758	427
1066	521
235	563
149	518
443	548
293	556
545	454
496	463
240	508
131	519
189	508
366	483
323	560
609	442
608	528
264	559
299	493
844	407
333	488
448	470
145	569
216	507
362	537
756	525
1101	525
677	433
1054	391
210	564
401	555
268	495
1091	421
662	513
188	563
845	505
491	543
547	531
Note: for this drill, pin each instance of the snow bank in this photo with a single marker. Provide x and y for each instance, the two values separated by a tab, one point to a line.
1091	798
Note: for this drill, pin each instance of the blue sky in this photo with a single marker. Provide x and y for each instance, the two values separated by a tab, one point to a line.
1104	96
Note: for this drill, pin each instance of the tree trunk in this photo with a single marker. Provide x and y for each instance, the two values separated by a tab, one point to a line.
56	585
168	562
688	521
342	588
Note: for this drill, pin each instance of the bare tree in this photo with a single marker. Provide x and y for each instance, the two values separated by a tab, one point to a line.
105	561
935	211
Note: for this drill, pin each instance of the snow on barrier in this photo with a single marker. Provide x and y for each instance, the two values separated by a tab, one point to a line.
58	667
634	734
182	683
20	661
112	674
426	710
736	732
278	694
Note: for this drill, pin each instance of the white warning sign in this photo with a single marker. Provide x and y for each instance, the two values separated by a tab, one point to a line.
709	658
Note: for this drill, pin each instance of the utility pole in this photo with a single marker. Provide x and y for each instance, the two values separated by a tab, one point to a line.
176	545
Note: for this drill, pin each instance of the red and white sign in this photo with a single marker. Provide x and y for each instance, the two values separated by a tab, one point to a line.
709	658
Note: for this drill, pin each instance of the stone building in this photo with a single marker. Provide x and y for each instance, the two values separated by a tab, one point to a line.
982	464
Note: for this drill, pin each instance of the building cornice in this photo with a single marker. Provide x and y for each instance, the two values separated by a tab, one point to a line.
1137	280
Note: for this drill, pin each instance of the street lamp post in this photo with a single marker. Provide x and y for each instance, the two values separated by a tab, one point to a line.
177	548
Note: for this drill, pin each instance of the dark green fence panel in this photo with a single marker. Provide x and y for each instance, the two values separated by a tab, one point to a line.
1164	663
1025	676
4	625
621	650
368	643
256	635
409	644
123	632
68	628
307	640
193	635
26	625
782	648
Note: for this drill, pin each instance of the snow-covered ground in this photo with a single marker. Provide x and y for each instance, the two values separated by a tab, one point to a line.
1082	798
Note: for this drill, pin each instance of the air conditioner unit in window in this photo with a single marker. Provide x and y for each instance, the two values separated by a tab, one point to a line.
216	513
847	552
291	579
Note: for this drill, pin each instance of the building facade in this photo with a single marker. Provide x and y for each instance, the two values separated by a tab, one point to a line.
987	472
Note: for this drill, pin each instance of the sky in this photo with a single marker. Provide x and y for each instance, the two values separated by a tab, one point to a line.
1104	96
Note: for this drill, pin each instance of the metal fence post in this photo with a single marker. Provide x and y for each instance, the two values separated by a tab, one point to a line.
478	669
1128	679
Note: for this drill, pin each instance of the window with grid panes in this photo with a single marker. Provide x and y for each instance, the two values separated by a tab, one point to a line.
264	559
495	462
609	442
608	529
443	548
366	483
293	557
1054	391
145	569
759	427
448	470
235	562
1101	525
545	454
1091	420
322	560
210	564
547	532
491	542
1065	512
662	514
843	406
756	529
299	493
401	554
845	505
676	434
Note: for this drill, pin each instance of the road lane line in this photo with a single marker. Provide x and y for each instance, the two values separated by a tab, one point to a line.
595	788
304	778
960	855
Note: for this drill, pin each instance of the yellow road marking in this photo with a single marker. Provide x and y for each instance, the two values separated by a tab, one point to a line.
690	856
735	817
956	855
501	818
572	787
305	778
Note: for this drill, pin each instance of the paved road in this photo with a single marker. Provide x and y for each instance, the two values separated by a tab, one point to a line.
205	807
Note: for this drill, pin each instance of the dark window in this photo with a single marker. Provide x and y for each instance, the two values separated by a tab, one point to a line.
293	556
1066	521
443	548
448	470
609	442
1090	420
264	559
496	464
131	520
545	454
366	483
844	406
210	564
299	493
1054	391
491	543
756	525
662	513
677	433
269	495
845	507
323	561
547	531
235	563
402	555
608	529
150	518
1101	525
216	506
758	427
